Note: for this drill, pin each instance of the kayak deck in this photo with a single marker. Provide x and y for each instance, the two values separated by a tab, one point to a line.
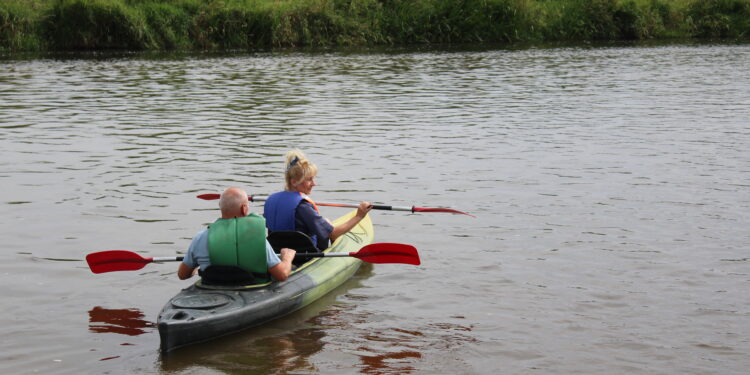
203	312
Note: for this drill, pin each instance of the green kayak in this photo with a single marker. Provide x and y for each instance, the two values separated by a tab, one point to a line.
203	312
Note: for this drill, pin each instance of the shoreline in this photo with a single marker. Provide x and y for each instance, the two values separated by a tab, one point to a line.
215	25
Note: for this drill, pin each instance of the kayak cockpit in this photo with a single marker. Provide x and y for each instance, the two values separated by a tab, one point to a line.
298	241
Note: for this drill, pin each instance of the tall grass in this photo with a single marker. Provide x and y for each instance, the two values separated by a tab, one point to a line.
96	24
720	18
19	22
612	19
460	21
248	24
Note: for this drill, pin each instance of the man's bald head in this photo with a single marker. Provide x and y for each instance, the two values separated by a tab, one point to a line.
234	203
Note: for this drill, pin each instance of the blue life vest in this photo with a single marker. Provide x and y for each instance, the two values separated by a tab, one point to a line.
280	211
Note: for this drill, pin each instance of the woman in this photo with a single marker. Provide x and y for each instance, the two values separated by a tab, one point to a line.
292	209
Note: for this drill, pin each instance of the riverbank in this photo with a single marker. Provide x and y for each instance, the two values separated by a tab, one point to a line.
58	25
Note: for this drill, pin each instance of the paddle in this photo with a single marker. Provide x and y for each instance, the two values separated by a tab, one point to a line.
374	207
123	260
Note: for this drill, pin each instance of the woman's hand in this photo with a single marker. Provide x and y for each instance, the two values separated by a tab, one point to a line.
363	209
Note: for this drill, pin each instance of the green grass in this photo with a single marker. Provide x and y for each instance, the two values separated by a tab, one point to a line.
19	22
54	25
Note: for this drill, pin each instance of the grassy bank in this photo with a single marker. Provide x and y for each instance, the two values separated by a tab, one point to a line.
52	25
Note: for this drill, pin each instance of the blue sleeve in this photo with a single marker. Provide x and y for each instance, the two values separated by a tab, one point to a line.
197	254
310	222
271	257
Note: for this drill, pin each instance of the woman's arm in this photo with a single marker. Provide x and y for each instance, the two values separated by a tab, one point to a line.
362	210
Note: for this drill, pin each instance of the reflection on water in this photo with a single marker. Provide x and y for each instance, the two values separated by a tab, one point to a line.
263	350
286	353
363	341
361	347
273	355
128	322
383	349
391	363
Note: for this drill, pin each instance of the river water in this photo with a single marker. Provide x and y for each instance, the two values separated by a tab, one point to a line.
610	185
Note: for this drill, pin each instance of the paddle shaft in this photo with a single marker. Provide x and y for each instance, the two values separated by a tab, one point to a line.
297	255
324	255
253	198
124	260
374	206
300	255
411	209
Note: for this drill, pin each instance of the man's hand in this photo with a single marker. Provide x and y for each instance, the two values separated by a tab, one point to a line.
287	255
282	270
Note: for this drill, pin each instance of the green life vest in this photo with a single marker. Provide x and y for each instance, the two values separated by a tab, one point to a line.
239	242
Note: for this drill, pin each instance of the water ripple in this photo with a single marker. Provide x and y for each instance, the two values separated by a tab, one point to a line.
610	184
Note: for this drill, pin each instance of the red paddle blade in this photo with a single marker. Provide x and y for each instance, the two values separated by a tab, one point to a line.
438	209
388	253
116	260
209	197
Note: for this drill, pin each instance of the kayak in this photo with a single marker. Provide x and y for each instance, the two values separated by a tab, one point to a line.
204	312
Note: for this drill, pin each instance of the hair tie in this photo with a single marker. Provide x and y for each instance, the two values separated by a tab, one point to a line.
292	163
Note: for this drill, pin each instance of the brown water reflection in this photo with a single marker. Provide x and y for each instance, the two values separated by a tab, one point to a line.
128	322
342	330
282	354
333	333
270	355
390	350
262	350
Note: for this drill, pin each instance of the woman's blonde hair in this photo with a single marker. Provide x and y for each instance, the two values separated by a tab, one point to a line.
298	168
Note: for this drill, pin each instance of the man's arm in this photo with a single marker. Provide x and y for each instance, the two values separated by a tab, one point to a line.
185	271
198	250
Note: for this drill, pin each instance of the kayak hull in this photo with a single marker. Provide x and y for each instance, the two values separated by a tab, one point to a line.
200	312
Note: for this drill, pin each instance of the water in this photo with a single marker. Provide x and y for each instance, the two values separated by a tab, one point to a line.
611	187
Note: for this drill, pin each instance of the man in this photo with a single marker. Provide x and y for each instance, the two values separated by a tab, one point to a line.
236	239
